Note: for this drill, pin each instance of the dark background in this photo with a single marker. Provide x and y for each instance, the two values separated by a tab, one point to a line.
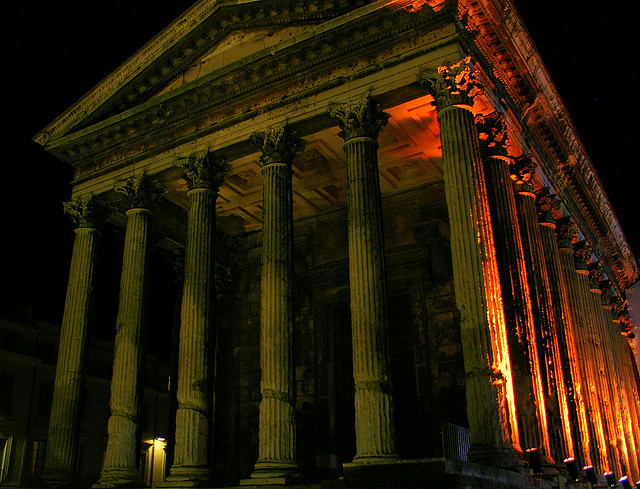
55	52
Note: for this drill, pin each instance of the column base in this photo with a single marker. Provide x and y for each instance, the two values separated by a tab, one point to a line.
188	477
111	478
274	474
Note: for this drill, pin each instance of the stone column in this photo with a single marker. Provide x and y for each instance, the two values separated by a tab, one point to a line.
360	124
529	394
547	204
120	465
191	461
490	392
544	317
61	456
277	431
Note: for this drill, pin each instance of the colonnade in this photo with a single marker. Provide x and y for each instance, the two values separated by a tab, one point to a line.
537	337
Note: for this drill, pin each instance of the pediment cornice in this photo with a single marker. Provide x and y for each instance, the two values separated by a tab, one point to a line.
178	46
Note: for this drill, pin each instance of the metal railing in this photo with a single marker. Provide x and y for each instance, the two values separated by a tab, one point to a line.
455	442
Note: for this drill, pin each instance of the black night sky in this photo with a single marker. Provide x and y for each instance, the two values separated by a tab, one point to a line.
54	52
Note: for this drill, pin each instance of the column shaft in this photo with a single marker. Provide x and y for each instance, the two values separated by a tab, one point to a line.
529	393
490	391
375	433
121	458
61	455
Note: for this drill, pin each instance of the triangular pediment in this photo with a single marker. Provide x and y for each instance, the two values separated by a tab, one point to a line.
210	35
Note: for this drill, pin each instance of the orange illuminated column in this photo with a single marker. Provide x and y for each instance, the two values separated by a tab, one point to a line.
586	387
529	394
544	317
546	205
61	456
120	464
611	336
490	392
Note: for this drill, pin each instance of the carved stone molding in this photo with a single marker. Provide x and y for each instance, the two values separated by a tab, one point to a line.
546	205
208	171
566	232
452	85
581	253
363	118
140	192
522	169
85	213
492	134
278	144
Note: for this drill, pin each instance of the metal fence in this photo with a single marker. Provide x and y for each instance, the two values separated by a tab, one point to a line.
455	442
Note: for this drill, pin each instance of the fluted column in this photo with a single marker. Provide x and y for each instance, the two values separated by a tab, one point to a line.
360	124
529	395
61	456
544	317
191	462
547	204
276	462
120	465
490	392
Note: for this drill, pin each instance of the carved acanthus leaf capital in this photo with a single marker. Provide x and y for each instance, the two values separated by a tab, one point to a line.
492	134
595	275
140	192
581	253
450	85
359	119
278	144
522	169
546	205
566	232
85	213
206	171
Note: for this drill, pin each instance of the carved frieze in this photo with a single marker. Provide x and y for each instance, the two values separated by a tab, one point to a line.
452	85
492	134
363	118
207	171
140	192
278	144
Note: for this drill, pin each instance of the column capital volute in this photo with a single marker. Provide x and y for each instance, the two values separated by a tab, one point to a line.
547	204
455	84
581	253
492	134
522	170
363	118
85	212
140	192
206	171
278	144
566	232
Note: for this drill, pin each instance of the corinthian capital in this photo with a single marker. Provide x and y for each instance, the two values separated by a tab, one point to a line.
85	213
359	119
206	171
451	85
278	144
566	231
595	275
522	169
492	134
546	204
140	192
581	253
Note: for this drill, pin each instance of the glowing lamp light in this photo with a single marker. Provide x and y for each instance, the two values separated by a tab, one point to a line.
590	472
161	438
572	468
611	479
535	462
625	482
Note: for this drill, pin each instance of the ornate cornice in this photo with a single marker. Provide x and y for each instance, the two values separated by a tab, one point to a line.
456	84
140	192
492	134
278	144
85	213
363	118
207	171
522	169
